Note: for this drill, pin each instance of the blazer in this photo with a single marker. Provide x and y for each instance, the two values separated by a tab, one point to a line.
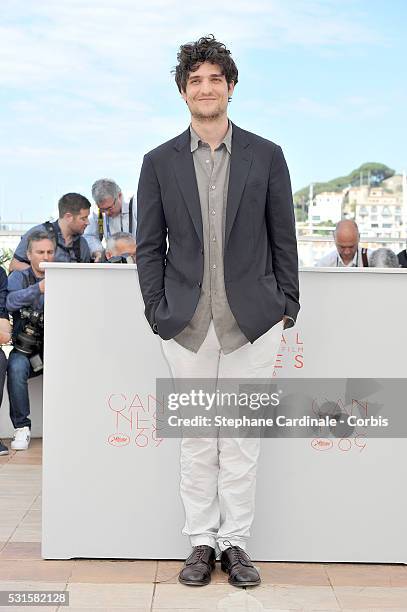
260	247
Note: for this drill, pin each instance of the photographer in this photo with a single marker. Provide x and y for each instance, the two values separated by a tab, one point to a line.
25	301
121	248
5	334
114	215
66	231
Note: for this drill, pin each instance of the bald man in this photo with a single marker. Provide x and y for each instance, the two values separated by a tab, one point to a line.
348	252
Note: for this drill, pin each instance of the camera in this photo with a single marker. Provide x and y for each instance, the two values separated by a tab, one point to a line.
126	258
31	339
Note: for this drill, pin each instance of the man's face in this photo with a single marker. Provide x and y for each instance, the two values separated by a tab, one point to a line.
123	247
43	250
347	245
111	206
78	223
207	92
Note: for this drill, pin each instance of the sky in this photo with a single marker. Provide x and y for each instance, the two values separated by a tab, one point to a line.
86	87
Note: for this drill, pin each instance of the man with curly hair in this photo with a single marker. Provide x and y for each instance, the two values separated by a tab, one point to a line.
217	263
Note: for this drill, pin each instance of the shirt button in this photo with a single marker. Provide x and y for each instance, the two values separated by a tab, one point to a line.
207	161
213	212
213	186
214	266
214	239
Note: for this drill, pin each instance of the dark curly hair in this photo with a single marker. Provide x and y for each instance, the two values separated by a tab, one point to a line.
206	49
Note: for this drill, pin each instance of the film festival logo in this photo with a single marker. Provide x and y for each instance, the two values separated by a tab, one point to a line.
356	415
343	437
135	420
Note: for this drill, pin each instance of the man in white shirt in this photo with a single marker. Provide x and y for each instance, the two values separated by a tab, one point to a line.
114	215
348	253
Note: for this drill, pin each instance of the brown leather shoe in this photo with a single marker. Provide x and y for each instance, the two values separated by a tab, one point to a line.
242	573
198	567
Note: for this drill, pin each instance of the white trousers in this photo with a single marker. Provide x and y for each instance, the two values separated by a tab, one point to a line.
218	475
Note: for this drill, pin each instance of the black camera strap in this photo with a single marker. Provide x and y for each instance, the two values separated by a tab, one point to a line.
52	229
131	215
100	225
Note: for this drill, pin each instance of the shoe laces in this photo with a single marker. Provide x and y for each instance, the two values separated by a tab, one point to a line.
198	553
238	553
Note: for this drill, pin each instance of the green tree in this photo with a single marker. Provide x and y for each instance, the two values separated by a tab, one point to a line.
6	256
372	173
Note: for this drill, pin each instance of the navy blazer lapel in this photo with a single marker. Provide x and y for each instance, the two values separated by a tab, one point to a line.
240	162
186	179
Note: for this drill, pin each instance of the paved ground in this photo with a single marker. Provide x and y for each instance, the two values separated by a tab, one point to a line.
152	585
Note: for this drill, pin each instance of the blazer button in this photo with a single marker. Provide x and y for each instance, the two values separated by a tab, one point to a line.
201	251
199	285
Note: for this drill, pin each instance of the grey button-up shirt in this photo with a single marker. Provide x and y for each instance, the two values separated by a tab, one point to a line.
212	175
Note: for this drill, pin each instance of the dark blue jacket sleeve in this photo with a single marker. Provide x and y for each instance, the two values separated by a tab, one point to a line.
21	251
3	294
18	296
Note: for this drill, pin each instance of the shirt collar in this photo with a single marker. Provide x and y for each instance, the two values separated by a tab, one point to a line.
227	141
60	237
354	262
